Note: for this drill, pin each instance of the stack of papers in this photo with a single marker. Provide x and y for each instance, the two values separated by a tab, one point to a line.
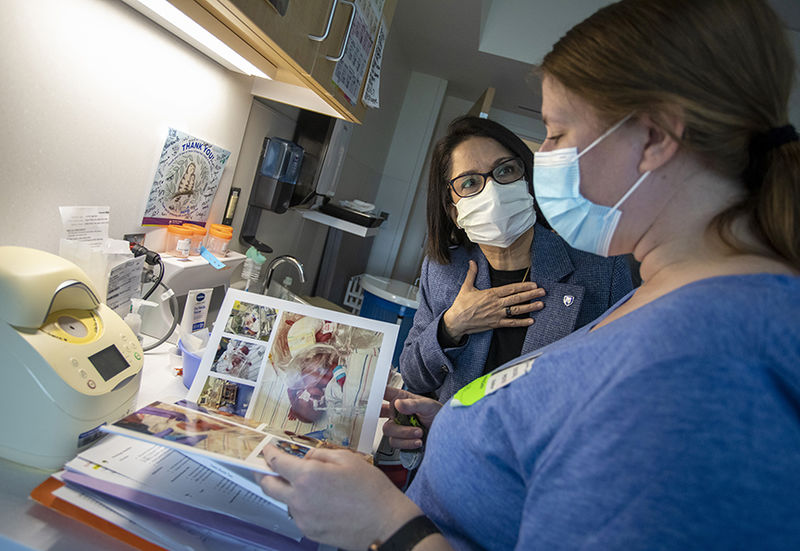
176	475
153	497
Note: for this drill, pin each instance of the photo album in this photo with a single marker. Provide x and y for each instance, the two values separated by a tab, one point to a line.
276	372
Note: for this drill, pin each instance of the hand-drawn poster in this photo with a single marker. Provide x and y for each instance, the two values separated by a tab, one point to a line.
186	181
371	95
297	368
349	72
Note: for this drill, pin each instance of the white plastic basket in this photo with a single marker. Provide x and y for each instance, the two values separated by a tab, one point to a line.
354	295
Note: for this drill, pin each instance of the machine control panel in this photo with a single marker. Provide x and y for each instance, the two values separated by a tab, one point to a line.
89	350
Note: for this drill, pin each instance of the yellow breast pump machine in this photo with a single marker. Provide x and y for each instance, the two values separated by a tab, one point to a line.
68	362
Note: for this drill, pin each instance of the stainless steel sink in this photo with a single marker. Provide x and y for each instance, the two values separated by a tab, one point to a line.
279	291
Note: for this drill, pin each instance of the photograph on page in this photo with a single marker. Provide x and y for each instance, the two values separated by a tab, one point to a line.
228	439
297	368
193	431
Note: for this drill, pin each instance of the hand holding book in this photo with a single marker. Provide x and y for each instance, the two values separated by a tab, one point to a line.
336	497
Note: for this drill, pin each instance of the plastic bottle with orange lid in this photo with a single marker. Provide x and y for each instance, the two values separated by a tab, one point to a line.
179	241
218	239
199	235
221	227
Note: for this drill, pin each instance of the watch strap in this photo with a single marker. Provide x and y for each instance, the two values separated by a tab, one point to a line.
408	535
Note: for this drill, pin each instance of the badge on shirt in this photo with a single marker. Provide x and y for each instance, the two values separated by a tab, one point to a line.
490	383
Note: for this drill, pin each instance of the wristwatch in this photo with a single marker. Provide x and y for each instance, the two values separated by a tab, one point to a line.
407	536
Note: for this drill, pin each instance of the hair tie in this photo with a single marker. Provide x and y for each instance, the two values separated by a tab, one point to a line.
775	137
761	144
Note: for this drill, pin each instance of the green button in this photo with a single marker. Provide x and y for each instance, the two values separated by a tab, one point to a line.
137	355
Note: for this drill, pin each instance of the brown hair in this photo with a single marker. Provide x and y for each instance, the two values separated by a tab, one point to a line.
442	232
728	66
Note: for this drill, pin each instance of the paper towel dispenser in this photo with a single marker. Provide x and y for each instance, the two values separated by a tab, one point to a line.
276	175
296	172
324	141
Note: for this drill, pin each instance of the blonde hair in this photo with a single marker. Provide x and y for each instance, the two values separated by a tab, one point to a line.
728	66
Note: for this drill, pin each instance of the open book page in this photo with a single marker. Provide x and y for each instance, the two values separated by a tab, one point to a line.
297	368
224	438
197	433
168	474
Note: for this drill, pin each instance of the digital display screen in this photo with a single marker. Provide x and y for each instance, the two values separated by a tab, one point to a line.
109	362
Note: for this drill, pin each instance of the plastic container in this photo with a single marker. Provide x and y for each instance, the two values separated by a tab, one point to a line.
221	227
199	235
218	239
179	241
190	364
390	300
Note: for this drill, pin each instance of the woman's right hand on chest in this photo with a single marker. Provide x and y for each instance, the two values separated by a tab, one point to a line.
475	310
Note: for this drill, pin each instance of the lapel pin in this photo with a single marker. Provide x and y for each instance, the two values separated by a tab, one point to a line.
568	300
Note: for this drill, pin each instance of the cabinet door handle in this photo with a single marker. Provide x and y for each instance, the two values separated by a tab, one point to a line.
347	34
328	27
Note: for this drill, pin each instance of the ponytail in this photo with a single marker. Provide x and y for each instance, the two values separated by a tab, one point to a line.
772	202
777	209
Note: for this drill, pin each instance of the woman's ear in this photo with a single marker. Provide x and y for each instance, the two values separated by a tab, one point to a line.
664	132
451	210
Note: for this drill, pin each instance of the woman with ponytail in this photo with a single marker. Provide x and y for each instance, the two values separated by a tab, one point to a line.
672	421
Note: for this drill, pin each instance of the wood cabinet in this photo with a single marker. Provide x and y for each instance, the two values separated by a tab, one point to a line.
481	107
279	45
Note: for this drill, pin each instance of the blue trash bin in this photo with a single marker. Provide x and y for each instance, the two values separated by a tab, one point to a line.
390	300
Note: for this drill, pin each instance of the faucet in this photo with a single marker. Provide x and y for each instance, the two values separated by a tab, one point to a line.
277	261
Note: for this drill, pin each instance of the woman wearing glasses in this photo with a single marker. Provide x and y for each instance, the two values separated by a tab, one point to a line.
496	282
673	422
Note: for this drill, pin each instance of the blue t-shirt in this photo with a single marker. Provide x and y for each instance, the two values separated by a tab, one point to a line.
676	426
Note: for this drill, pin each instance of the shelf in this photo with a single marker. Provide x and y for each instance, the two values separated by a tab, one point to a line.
338	223
194	272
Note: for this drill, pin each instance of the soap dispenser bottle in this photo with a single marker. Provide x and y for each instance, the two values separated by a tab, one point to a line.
134	318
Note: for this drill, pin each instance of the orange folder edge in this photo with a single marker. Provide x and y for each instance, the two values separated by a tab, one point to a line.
43	494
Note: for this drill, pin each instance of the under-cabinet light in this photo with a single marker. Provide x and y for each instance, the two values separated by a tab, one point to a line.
180	24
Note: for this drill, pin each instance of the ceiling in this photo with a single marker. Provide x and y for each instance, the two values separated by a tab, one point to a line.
474	44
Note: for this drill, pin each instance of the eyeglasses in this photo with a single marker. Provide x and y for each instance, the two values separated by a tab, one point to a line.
508	171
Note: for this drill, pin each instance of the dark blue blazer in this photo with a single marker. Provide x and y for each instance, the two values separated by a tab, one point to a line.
579	285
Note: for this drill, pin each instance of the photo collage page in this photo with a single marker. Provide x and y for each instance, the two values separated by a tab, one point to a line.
293	372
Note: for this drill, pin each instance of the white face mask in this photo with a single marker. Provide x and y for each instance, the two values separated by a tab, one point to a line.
557	183
498	215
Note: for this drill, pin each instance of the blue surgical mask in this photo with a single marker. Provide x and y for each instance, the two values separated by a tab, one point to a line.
557	184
